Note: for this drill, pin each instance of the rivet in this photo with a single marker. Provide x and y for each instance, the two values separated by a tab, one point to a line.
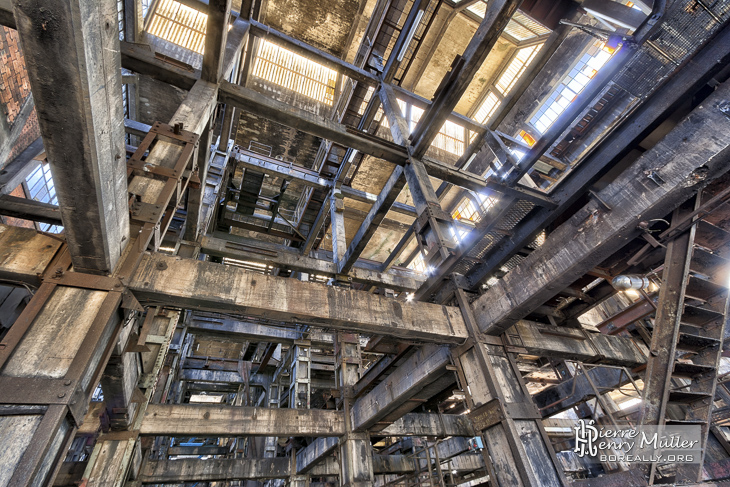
63	394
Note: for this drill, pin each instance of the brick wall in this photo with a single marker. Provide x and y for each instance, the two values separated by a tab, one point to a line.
14	89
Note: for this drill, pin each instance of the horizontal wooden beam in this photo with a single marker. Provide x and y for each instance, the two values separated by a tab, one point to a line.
286	114
321	447
226	469
293	260
211	470
29	209
228	421
575	344
423	424
195	284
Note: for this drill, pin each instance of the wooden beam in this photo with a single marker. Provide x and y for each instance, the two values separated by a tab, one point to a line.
701	140
216	287
83	130
212	470
15	172
321	447
375	216
422	424
227	469
215	40
228	421
398	280
421	369
575	344
285	114
28	209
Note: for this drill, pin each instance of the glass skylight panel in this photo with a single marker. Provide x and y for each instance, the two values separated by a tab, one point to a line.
418	264
489	106
181	25
466	211
516	67
295	72
41	188
459	233
585	69
487	201
479	9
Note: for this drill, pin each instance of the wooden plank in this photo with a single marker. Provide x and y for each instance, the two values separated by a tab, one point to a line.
25	253
50	345
227	421
16	430
701	139
215	287
83	131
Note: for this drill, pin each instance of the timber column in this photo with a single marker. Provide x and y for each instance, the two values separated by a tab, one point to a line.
356	453
517	450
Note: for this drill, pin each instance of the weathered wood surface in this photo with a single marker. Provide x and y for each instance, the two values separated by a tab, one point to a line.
215	287
25	253
189	420
570	343
321	447
422	368
196	470
82	128
53	340
397	280
423	424
16	430
110	467
701	140
28	209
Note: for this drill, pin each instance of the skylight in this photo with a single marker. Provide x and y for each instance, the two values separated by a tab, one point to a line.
507	80
450	138
520	27
418	264
582	73
489	106
295	72
181	25
515	69
41	188
466	211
